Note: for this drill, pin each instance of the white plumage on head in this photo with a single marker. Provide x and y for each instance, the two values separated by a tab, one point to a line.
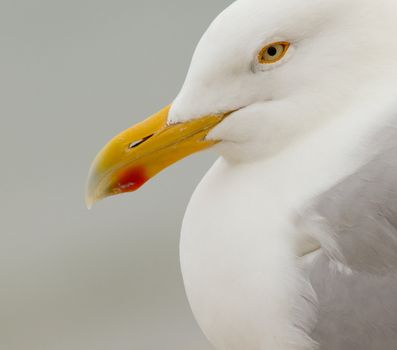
342	52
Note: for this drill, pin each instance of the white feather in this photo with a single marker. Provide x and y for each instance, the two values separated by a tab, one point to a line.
301	126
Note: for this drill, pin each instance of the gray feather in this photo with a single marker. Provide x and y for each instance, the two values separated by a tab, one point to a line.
355	223
355	311
359	214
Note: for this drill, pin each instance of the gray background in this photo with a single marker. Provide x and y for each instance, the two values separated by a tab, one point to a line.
72	74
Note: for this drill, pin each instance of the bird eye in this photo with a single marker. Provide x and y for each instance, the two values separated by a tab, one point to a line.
273	52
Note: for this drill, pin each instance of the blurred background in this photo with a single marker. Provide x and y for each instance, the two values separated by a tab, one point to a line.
72	74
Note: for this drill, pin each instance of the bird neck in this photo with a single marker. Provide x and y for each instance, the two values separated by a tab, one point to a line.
240	242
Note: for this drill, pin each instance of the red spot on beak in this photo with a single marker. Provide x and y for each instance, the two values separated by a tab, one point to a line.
131	179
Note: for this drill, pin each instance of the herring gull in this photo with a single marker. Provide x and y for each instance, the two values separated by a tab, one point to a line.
290	240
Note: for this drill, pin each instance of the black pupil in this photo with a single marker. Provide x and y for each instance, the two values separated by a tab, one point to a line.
272	51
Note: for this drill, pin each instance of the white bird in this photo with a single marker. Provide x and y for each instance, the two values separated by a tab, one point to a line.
290	240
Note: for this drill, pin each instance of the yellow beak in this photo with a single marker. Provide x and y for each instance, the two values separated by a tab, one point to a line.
142	151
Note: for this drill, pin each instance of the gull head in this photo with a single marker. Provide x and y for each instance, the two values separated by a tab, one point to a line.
339	53
264	75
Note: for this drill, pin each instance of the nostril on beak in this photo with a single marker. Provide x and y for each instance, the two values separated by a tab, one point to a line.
136	143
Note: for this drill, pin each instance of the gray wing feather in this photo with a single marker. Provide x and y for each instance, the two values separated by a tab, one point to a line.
355	222
355	311
357	219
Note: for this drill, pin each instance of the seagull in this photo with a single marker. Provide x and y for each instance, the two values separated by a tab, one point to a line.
289	242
